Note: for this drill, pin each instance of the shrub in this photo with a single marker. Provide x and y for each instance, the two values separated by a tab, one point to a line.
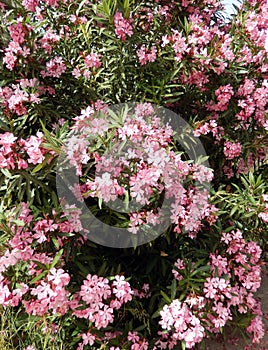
64	64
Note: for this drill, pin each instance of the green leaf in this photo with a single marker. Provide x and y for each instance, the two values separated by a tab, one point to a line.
249	215
82	268
156	314
251	178
57	258
173	289
7	173
251	199
40	265
41	165
245	183
55	242
18	222
39	277
100	202
151	264
81	5
164	295
102	268
200	270
259	180
140	328
233	211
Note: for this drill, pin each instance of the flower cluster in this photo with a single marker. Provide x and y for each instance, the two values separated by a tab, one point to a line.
231	149
155	167
17	153
45	294
54	68
146	55
44	288
123	26
50	294
183	322
89	63
264	214
27	92
223	95
15	49
99	299
63	63
234	277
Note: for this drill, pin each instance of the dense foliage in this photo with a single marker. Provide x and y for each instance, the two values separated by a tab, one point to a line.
62	64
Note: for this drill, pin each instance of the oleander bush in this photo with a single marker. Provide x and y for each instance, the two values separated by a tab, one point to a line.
64	65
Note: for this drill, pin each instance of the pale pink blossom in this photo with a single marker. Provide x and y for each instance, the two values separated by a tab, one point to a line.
146	55
123	26
30	5
256	327
93	60
232	149
54	68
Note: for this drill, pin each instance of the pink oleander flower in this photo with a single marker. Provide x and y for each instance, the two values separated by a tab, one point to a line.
7	139
30	347
246	88
94	289
133	337
88	338
256	327
265	197
10	60
141	345
223	315
10	158
48	40
198	78
107	188
42	227
121	289
54	68
180	265
182	322
77	152
17	100
205	128
146	55
144	292
202	173
219	264
214	286
100	299
156	166
52	2
223	95
5	293
263	216
92	60
33	148
19	31
30	5
49	296
77	72
59	277
123	26
179	45
144	110
232	149
74	218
